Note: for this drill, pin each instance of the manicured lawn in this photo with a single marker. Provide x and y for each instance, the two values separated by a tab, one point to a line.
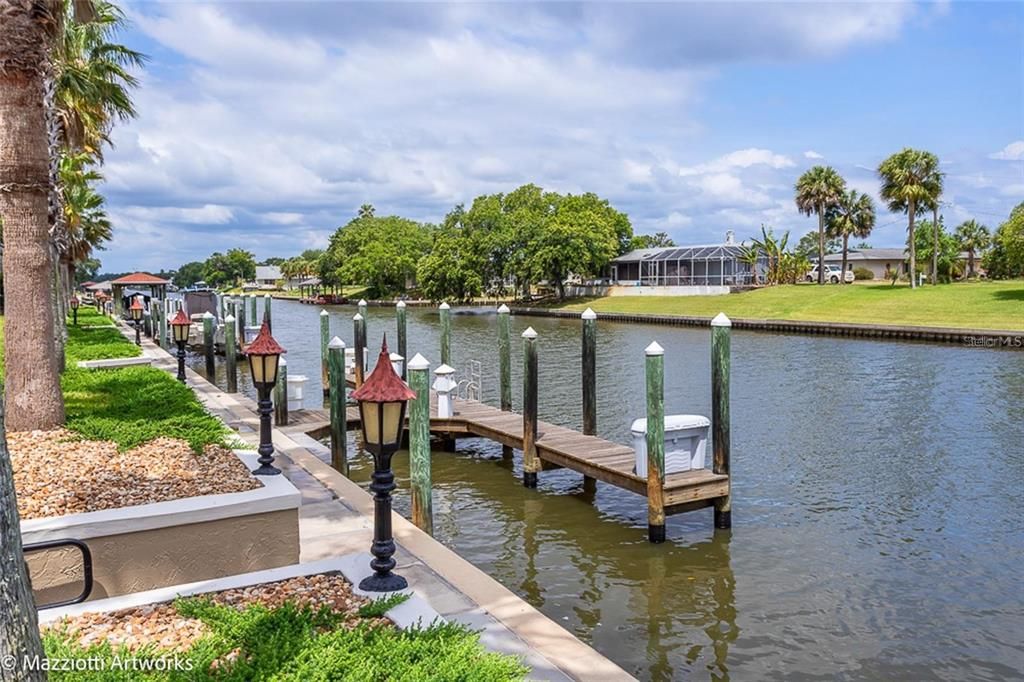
983	305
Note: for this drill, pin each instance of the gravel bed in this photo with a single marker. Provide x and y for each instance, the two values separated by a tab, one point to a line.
56	473
162	626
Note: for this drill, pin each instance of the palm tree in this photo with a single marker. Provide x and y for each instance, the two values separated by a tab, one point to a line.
911	181
32	384
817	191
853	216
972	237
933	204
751	255
84	216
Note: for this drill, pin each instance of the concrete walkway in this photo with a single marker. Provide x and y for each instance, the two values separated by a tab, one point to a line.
336	519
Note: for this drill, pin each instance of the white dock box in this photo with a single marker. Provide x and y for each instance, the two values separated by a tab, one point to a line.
686	441
296	391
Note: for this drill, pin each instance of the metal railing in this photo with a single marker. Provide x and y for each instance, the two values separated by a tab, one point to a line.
87	576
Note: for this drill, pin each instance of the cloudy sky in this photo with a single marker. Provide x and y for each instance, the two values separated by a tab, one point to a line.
265	125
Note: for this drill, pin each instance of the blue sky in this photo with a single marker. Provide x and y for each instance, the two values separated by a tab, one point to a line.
265	125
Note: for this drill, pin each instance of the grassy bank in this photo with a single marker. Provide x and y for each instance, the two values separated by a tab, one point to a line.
981	305
131	405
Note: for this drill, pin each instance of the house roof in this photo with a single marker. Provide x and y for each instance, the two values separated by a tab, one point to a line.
140	278
896	254
268	272
99	286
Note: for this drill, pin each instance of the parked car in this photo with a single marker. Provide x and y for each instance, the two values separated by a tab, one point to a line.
832	274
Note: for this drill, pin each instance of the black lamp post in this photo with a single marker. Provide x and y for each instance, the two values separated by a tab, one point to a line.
136	310
74	309
263	354
180	325
382	399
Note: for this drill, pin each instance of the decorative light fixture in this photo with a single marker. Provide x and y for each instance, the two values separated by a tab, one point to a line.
136	311
382	401
264	354
74	309
179	326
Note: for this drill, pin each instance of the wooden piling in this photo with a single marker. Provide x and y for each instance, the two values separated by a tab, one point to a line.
400	319
505	366
359	334
147	324
445	312
325	340
339	417
241	320
721	329
252	310
281	394
419	444
655	373
237	310
266	311
589	380
230	354
531	463
361	307
208	330
164	343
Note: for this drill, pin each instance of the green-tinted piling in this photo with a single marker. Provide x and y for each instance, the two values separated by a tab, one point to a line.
338	398
230	354
359	334
325	340
531	463
209	327
266	312
445	312
419	444
655	371
402	323
361	307
254	319
281	394
505	366
721	328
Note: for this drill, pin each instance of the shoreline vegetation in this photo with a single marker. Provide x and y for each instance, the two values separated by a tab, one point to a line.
965	305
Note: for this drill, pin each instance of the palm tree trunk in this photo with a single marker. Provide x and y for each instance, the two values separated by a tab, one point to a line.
842	275
935	245
821	245
913	251
32	383
970	263
19	626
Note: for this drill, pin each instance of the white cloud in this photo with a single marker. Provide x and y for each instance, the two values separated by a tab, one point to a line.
811	154
1011	152
743	158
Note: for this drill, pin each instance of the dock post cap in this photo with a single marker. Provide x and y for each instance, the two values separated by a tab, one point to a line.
336	342
229	319
362	301
395	357
418	362
266	295
444	306
207	315
444	369
654	349
589	314
323	312
503	309
721	320
357	317
281	361
529	333
400	304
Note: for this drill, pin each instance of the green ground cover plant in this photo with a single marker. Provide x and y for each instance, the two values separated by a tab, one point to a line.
299	644
981	305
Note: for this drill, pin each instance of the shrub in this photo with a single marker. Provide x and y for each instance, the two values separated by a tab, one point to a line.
863	273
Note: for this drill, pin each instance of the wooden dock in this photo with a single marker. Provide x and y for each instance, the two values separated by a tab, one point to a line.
557	447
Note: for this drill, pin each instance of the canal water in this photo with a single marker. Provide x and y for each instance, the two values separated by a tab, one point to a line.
878	502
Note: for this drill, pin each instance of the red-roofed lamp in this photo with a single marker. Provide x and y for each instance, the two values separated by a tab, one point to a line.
382	399
74	309
180	324
264	353
136	311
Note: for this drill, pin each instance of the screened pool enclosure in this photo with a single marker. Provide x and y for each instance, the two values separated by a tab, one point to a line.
717	265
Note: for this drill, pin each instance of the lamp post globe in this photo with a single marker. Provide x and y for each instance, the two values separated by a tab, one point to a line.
264	355
382	400
136	310
179	327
